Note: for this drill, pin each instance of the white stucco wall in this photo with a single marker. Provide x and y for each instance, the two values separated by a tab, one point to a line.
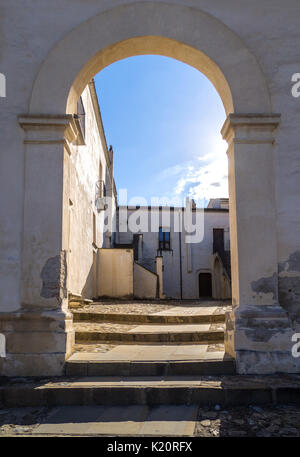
83	174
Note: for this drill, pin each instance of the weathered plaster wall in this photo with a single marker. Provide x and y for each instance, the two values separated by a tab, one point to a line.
83	173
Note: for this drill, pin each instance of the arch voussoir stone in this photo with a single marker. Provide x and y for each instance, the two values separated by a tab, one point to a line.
181	32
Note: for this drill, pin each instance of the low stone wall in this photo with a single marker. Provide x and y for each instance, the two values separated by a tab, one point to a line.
145	283
115	273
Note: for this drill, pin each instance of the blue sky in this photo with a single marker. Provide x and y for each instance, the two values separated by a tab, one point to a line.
163	119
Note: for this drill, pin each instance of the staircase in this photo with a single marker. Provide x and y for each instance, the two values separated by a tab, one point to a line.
183	339
158	353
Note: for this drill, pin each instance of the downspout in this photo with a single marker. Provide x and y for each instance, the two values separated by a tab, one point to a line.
180	259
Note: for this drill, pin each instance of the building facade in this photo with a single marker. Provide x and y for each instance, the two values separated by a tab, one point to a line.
193	267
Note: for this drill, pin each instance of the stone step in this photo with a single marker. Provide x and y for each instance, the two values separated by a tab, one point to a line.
86	316
188	333
223	390
130	420
150	361
77	301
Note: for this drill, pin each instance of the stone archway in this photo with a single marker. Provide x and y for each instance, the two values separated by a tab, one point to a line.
183	33
202	41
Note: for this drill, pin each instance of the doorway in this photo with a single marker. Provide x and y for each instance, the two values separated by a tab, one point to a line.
205	285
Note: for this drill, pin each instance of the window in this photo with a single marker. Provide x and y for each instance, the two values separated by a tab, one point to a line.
164	239
218	240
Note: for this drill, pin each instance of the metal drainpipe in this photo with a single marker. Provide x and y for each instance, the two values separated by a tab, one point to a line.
180	259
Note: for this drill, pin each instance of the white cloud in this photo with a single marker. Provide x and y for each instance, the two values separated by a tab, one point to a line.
203	178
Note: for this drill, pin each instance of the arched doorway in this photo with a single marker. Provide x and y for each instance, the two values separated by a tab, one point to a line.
195	38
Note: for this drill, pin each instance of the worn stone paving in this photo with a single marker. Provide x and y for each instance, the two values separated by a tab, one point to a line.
158	352
103	327
134	307
252	421
124	308
94	347
112	327
104	347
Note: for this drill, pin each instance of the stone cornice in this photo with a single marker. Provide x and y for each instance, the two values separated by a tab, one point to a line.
250	128
50	129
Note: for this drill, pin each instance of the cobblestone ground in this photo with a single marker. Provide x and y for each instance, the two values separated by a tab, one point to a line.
267	421
21	421
134	307
124	308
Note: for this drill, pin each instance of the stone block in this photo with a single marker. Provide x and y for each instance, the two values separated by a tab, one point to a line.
33	365
119	396
168	395
69	395
109	368
248	396
17	397
76	368
35	342
208	396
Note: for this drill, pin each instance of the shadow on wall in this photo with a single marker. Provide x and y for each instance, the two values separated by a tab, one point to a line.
89	289
221	279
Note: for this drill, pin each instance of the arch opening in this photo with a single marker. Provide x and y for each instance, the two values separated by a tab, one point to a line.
183	33
150	45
